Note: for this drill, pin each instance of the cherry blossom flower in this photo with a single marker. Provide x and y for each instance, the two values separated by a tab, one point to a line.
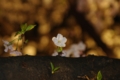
78	47
75	50
71	53
59	40
81	46
8	46
16	53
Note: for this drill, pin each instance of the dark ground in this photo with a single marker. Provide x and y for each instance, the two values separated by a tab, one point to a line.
38	68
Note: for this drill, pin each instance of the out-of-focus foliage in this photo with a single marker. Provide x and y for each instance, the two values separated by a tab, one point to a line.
48	16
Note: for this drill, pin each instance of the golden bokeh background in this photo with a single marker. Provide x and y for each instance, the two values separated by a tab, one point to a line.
54	16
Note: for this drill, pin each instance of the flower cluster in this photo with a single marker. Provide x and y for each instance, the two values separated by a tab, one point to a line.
75	50
8	45
9	48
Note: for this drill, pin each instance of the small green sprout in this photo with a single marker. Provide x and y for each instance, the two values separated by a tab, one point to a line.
53	68
99	76
20	34
24	28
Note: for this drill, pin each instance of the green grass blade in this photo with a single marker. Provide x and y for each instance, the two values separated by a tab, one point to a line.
99	76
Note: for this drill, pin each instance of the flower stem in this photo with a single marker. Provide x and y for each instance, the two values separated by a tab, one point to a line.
17	44
59	50
23	39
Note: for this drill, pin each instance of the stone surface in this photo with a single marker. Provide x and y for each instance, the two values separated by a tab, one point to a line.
38	68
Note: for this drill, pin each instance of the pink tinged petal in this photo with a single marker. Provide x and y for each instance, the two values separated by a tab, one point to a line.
76	54
68	52
82	46
13	52
7	46
84	55
16	53
10	48
63	54
6	49
5	42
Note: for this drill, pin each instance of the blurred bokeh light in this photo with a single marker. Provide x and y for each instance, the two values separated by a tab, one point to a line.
54	16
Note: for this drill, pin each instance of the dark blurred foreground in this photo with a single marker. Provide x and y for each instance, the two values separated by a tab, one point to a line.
38	68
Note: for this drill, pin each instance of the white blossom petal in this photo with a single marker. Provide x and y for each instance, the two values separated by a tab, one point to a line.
54	39
64	40
59	37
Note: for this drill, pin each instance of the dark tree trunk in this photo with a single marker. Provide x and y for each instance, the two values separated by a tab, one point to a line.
38	68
